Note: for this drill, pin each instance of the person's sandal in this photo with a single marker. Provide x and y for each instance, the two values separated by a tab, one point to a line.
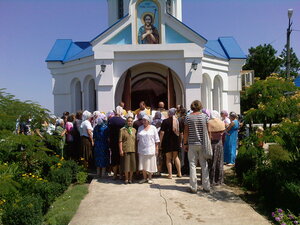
126	182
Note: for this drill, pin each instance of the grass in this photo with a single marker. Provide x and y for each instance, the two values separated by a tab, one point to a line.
65	206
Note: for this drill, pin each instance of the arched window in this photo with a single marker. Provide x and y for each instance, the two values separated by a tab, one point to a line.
169	7
217	94
206	92
92	95
76	95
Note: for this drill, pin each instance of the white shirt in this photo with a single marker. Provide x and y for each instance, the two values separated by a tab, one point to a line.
84	127
147	140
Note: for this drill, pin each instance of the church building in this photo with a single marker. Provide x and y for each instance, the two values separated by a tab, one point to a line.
146	54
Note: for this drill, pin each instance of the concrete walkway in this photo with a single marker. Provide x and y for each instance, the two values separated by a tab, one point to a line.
164	202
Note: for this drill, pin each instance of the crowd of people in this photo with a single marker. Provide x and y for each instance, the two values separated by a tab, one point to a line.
142	143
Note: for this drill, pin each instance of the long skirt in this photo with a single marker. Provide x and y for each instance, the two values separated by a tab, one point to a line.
215	165
148	163
87	152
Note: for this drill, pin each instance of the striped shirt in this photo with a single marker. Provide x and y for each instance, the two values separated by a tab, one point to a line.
197	124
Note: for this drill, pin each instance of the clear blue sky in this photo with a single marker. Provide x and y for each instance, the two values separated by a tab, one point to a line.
29	28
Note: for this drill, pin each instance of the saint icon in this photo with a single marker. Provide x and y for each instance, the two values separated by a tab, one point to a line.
148	33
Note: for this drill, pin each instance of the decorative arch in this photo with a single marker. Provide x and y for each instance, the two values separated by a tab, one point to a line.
89	92
167	85
217	93
206	91
76	95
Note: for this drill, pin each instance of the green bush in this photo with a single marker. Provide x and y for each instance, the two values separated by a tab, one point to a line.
250	180
61	175
73	166
81	177
26	210
248	159
277	154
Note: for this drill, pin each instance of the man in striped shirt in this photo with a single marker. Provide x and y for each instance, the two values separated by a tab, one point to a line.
194	131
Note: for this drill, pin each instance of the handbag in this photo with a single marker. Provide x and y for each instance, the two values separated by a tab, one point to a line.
207	151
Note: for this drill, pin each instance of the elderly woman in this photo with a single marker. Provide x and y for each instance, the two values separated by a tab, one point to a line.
148	141
60	131
127	147
101	149
231	138
216	127
195	129
170	137
115	124
87	141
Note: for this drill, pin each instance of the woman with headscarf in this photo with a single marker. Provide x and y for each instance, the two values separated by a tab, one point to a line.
148	141
216	127
127	147
87	141
170	137
231	138
101	149
115	124
157	121
60	131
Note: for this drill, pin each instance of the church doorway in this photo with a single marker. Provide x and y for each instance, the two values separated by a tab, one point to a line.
150	84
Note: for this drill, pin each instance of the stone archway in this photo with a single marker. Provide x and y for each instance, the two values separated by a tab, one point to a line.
149	82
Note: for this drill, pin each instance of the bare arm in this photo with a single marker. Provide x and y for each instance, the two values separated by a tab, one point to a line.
90	133
185	137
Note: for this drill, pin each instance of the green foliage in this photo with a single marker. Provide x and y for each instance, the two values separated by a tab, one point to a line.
287	218
11	109
287	134
294	63
64	208
277	154
262	59
61	175
266	101
249	157
81	177
32	175
26	210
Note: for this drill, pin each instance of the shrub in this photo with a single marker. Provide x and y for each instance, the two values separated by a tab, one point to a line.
248	159
277	154
61	175
73	166
26	210
81	177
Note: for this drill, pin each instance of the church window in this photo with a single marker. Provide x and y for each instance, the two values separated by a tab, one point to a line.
169	6
120	9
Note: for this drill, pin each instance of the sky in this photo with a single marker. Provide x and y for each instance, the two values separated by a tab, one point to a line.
29	28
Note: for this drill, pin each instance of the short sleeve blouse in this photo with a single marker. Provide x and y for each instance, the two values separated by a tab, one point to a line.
147	140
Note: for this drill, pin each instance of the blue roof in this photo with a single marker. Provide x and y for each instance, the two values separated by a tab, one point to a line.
66	50
225	48
297	81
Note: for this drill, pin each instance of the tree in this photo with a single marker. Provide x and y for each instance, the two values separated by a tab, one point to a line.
294	63
270	100
263	61
12	109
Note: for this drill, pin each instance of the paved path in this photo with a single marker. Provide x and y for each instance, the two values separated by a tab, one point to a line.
163	202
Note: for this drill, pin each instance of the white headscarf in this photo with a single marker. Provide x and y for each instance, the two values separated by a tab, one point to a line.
86	115
215	114
146	117
119	110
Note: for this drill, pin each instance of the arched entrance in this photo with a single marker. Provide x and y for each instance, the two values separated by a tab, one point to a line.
151	83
